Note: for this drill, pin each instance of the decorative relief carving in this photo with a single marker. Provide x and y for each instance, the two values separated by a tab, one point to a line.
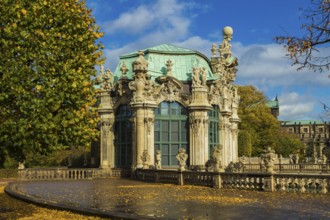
105	79
106	124
149	123
195	124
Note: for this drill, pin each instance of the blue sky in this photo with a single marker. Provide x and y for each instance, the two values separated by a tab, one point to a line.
130	25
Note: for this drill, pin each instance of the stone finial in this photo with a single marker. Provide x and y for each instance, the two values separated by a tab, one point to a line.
140	64
182	157
124	69
169	65
158	159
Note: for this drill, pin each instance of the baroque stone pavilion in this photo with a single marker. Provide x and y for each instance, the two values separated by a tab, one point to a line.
165	98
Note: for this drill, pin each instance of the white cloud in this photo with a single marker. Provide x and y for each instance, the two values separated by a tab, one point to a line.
159	15
267	66
294	106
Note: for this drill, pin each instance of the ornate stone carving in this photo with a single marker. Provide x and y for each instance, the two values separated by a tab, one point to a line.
182	157
168	90
196	82
145	157
158	160
194	124
269	157
105	79
199	75
214	50
149	123
106	124
140	64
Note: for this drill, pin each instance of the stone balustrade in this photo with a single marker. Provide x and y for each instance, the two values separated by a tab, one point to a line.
305	183
290	168
61	173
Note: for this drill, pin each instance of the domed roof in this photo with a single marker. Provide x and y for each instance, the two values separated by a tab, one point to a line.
183	60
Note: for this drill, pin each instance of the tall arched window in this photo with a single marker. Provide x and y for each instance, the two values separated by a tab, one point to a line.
171	131
123	137
213	127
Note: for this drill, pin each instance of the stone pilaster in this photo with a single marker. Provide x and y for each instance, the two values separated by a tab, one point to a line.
107	131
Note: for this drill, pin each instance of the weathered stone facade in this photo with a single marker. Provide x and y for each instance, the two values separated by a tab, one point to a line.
167	98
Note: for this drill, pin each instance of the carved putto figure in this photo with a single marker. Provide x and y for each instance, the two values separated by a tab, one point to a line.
182	157
158	159
145	159
217	158
225	47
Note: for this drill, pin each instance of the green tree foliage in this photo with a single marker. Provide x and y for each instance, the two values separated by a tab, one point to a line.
47	59
305	51
259	128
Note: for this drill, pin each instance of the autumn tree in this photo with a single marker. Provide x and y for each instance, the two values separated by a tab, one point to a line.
48	56
259	128
311	50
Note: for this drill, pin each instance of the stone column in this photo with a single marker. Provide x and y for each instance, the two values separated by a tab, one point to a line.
143	119
198	120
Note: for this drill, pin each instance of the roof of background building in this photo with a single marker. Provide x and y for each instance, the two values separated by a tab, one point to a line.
183	60
302	122
273	104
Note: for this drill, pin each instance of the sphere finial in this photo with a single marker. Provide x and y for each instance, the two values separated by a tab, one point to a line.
227	31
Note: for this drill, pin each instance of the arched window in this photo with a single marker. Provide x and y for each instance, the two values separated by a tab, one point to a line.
123	137
213	127
171	131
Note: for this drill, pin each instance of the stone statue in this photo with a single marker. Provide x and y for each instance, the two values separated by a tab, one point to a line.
21	166
182	158
158	159
145	159
124	70
269	158
203	76
214	50
196	77
324	159
225	47
217	158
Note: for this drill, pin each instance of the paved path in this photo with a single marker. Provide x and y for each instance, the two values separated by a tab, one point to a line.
138	200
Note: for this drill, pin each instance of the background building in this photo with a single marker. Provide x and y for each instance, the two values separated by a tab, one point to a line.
314	134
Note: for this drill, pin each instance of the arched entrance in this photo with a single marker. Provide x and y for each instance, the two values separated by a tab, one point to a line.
123	137
171	131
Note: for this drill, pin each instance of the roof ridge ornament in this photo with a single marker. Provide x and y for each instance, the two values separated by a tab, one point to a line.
140	64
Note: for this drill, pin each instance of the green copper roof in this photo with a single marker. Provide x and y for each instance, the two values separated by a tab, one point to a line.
272	104
183	59
302	122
